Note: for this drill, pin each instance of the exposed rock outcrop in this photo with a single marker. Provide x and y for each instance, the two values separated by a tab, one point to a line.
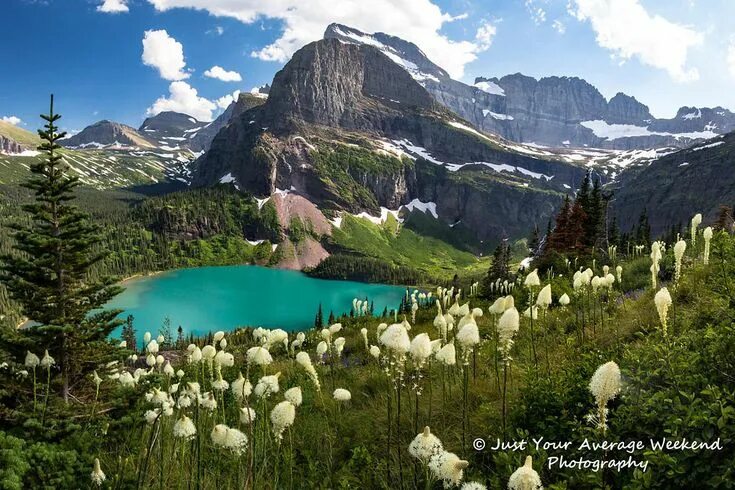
8	145
323	133
551	111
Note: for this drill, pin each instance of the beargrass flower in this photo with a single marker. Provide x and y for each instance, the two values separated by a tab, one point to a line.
31	360
473	485
447	355
224	359
532	279
47	361
294	396
395	339
303	360
184	428
544	297
707	239
425	445
420	348
448	467
604	386
282	417
241	387
267	385
98	476
663	302
342	395
259	356
525	477
247	415
696	221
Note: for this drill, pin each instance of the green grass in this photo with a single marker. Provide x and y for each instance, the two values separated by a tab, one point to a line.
25	138
102	169
405	247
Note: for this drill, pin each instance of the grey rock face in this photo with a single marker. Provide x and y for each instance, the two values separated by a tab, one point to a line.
8	145
549	111
353	95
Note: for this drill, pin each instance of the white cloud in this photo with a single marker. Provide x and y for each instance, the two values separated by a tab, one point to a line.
225	101
165	54
221	74
628	30
183	98
538	14
11	120
418	21
485	34
731	57
559	26
113	6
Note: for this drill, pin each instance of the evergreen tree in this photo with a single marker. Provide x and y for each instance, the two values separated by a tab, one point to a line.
180	338
534	241
49	274
583	194
128	333
499	269
643	230
724	218
594	209
558	239
613	235
319	319
331	318
166	332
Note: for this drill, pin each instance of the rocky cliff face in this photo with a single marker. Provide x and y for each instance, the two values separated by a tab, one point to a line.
202	139
552	111
107	133
10	146
675	187
350	130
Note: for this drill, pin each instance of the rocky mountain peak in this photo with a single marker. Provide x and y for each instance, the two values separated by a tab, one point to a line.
108	133
624	109
336	84
404	53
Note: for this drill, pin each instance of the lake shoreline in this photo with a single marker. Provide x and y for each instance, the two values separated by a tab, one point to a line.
140	275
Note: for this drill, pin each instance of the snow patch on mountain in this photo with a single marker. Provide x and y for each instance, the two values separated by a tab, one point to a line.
491	88
605	130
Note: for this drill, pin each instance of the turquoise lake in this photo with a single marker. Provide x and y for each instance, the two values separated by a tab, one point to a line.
222	298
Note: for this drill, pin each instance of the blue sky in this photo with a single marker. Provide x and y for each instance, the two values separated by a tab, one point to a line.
90	53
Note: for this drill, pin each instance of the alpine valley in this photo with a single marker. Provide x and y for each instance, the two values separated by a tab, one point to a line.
358	274
363	147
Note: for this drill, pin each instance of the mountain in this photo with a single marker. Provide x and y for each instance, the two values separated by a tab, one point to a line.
674	187
171	130
350	131
552	111
200	140
105	133
16	140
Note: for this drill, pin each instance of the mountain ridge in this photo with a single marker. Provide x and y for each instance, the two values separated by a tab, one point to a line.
527	110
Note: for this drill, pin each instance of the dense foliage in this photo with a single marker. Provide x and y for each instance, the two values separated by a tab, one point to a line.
677	385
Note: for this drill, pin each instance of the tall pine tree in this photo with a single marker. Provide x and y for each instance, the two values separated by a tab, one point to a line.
49	275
